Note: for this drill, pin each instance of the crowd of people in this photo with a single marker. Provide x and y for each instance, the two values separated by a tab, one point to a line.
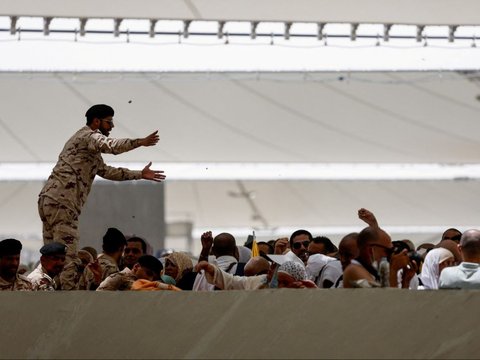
361	260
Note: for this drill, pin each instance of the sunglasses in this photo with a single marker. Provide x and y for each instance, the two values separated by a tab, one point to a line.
298	245
388	250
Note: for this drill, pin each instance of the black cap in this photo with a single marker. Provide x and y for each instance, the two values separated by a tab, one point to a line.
115	235
99	111
151	263
10	247
53	248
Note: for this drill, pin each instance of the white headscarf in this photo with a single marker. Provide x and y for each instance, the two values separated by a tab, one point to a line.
430	269
294	269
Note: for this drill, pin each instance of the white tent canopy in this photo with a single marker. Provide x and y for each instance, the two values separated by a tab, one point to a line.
376	117
259	149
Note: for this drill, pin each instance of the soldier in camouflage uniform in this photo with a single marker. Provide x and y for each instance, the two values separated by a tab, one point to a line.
65	192
148	267
51	265
10	279
88	271
114	243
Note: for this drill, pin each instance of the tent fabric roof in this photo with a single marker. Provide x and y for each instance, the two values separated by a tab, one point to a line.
425	12
377	117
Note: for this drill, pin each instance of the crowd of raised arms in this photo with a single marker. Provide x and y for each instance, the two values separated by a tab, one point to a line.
362	260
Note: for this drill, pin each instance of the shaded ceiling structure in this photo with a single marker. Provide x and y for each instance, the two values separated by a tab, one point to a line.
301	125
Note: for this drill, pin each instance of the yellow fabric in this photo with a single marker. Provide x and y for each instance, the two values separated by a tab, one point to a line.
255	251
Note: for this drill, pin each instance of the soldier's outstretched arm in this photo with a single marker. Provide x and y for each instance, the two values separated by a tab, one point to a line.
149	140
154	175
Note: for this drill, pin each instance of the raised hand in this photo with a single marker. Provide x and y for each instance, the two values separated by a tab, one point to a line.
399	261
368	217
150	140
281	245
207	240
154	175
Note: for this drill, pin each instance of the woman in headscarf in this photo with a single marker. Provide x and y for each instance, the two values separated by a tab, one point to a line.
435	261
292	274
179	266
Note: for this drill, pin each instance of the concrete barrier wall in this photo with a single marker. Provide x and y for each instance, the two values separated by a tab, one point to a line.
283	324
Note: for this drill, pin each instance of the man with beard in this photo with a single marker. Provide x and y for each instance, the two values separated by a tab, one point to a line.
65	192
51	264
299	242
10	279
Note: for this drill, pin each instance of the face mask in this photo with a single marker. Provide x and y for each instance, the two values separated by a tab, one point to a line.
168	279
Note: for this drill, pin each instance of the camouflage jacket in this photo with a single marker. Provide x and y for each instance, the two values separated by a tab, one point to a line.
21	283
122	280
79	162
108	264
87	280
41	281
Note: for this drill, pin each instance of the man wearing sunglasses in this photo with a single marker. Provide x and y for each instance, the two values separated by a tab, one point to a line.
65	192
299	242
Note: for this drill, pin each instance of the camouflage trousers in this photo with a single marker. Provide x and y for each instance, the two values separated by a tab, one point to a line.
60	224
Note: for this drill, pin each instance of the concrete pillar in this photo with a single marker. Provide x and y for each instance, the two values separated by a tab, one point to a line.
134	207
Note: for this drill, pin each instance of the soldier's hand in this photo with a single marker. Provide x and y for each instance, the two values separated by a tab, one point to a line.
150	140
154	175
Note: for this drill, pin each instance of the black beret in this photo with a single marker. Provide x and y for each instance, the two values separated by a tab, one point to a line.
53	248
10	247
151	262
